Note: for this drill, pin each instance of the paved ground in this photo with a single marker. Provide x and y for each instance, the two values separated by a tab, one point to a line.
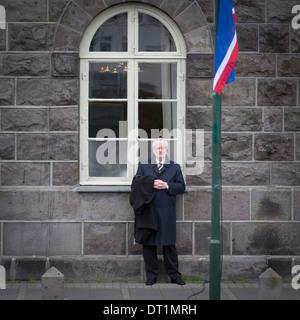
139	291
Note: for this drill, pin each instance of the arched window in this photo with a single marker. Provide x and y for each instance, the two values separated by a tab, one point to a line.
132	90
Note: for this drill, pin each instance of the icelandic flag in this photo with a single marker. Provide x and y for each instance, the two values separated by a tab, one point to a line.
227	47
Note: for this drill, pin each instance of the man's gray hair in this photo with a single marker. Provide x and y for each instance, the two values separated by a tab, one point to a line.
160	140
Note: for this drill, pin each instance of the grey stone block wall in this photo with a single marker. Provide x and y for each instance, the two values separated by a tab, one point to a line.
44	221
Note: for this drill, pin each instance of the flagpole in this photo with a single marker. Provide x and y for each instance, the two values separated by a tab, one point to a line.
215	244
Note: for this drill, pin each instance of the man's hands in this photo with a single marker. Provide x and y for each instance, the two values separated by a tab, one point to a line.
160	185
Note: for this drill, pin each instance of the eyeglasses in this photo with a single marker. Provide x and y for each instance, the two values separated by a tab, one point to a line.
160	148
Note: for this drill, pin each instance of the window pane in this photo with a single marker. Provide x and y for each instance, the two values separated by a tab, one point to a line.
146	154
157	116
157	81
153	35
107	158
112	35
107	116
108	80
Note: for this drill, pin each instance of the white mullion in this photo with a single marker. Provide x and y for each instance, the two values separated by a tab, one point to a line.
158	100
107	100
181	112
131	41
107	139
153	139
180	117
131	118
136	32
83	121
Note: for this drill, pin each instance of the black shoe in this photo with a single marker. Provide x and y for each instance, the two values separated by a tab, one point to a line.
178	281
150	282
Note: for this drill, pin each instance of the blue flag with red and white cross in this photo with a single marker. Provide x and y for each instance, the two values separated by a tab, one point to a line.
226	46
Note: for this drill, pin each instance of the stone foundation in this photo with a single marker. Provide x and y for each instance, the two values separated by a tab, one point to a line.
45	221
131	268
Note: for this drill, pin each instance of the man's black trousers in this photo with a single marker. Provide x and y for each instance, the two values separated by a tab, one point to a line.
170	260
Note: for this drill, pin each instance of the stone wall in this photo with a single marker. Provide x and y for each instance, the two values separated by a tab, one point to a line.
44	221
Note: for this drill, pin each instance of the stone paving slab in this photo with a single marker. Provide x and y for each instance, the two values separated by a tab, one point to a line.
139	291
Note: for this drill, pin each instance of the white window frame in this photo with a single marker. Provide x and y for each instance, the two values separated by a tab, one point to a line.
132	57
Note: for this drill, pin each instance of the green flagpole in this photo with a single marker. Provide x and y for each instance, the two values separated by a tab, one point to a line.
215	244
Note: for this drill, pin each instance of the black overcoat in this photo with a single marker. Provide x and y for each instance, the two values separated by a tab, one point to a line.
165	200
142	200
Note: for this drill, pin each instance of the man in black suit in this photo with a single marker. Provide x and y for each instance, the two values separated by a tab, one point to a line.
168	181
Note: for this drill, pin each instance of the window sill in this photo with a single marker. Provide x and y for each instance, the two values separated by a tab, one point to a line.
109	189
103	189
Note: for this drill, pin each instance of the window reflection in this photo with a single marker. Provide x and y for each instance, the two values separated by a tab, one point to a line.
107	158
158	81
153	35
107	115
108	80
112	35
157	116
